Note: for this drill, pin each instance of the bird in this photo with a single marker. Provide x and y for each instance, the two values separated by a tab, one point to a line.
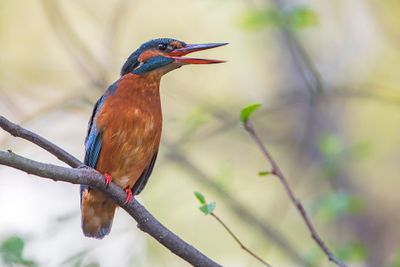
124	130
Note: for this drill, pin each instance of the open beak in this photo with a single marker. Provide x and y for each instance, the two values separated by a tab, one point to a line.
178	54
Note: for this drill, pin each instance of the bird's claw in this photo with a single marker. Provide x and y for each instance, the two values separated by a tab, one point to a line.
108	179
129	195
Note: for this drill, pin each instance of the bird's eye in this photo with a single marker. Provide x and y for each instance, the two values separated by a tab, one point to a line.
162	47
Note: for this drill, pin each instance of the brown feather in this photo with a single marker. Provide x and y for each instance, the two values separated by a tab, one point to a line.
131	122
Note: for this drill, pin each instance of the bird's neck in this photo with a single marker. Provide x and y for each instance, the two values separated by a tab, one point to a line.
141	91
147	85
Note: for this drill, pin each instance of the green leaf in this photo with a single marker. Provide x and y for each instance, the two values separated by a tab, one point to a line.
296	18
258	19
264	173
246	112
354	252
11	252
208	208
205	208
330	146
11	249
200	198
337	204
302	17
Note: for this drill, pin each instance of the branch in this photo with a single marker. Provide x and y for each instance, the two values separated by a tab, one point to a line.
87	176
296	202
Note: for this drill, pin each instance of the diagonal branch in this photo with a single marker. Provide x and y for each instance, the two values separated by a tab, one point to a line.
276	170
87	176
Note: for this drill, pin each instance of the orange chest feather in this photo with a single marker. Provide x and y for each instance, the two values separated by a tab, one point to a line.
130	121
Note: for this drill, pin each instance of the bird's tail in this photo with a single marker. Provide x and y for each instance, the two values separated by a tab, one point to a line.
97	213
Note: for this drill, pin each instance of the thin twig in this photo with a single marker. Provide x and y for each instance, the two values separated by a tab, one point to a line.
299	206
239	242
87	176
269	232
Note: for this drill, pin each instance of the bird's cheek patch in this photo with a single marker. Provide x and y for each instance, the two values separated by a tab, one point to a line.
149	54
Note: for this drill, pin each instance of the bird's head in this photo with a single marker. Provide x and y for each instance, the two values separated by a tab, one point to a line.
163	55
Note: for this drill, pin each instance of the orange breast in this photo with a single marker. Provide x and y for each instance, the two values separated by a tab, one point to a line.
131	122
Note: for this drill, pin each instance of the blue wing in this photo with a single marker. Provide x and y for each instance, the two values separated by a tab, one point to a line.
93	139
93	136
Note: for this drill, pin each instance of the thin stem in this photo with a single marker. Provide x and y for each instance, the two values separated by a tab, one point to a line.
273	235
239	242
276	170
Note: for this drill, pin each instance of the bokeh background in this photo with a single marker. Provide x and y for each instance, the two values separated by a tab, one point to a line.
326	72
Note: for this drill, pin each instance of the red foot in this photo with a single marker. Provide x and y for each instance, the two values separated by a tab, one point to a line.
129	196
108	179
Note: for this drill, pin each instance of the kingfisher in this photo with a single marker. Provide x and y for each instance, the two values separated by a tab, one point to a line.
124	130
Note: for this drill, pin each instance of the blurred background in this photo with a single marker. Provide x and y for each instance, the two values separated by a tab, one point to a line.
326	72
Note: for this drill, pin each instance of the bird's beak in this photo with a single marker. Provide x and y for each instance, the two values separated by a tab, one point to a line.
178	54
